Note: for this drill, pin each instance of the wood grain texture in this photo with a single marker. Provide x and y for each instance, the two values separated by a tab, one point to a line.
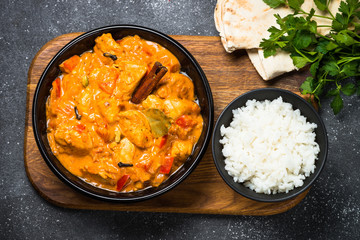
203	191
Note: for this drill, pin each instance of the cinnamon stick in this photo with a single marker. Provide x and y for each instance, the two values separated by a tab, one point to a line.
148	84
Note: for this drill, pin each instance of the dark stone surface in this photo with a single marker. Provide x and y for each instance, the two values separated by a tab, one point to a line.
330	211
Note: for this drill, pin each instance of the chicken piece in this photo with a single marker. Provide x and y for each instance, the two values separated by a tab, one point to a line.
142	166
109	109
75	139
70	85
137	50
183	86
175	107
182	133
105	77
106	44
102	170
142	175
158	179
166	58
126	151
131	44
176	86
64	109
180	150
135	126
153	101
84	103
89	61
150	48
103	130
103	59
128	81
187	127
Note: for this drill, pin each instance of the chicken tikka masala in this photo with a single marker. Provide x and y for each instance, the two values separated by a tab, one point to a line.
107	126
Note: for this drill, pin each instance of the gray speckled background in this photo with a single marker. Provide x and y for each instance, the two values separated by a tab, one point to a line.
330	211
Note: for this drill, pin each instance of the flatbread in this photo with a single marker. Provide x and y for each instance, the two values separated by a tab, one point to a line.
242	24
272	66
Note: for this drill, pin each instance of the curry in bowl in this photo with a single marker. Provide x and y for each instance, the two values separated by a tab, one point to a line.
122	116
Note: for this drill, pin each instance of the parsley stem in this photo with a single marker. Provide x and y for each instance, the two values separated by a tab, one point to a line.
352	33
323	36
347	59
323	26
321	83
345	77
328	10
337	85
315	15
303	55
319	16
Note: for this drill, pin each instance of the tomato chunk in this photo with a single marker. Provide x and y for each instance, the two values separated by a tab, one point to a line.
69	64
107	81
163	141
107	87
57	87
185	121
65	108
80	128
122	182
166	167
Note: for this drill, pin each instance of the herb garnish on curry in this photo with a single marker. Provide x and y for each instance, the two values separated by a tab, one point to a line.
122	116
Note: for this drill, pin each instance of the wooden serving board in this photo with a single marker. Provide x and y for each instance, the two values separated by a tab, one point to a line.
203	191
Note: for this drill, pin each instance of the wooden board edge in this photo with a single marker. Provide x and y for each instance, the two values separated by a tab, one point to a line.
115	207
28	117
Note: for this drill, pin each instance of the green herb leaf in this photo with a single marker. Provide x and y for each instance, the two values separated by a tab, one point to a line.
274	3
312	26
331	68
314	67
339	23
350	68
344	38
302	39
321	4
349	89
307	86
269	52
337	104
349	7
295	4
311	14
332	92
299	62
331	46
321	47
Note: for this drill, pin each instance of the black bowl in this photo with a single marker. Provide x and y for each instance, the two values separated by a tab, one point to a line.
260	95
86	42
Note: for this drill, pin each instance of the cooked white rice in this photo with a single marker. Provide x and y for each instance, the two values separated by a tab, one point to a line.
269	146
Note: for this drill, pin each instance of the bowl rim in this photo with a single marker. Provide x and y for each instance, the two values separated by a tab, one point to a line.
189	56
288	196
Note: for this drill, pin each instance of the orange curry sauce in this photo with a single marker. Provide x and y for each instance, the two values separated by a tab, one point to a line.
93	126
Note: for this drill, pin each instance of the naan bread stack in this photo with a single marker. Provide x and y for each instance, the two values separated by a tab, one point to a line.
244	23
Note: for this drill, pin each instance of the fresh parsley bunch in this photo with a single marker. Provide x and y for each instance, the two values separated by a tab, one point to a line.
332	58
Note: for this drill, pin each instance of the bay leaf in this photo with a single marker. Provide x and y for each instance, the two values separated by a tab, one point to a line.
159	122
